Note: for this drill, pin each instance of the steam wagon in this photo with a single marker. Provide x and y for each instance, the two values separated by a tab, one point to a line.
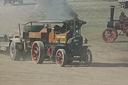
110	34
13	1
58	40
123	3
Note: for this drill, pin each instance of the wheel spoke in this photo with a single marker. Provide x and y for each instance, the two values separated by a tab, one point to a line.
35	52
59	58
107	34
37	48
12	50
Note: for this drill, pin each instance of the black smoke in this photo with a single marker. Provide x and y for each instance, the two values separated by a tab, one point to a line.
56	9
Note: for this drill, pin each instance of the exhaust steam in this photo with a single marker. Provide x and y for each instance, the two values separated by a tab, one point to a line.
56	9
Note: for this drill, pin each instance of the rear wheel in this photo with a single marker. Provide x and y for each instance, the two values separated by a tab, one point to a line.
15	53
33	28
38	52
61	57
109	35
86	57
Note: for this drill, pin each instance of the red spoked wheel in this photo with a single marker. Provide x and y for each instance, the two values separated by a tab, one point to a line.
61	57
109	35
38	52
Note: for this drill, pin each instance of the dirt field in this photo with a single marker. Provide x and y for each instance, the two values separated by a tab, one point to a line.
110	60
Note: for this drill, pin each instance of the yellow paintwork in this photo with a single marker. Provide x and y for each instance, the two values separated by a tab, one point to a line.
60	36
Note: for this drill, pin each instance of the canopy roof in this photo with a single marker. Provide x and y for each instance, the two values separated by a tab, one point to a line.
56	21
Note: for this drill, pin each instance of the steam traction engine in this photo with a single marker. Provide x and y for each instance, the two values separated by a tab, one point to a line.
110	34
59	40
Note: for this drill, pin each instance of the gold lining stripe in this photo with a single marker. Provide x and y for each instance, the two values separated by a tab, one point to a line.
60	37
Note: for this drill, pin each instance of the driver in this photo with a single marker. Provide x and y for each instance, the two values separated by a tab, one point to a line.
122	17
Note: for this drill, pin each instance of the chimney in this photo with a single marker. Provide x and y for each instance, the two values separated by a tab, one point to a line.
112	12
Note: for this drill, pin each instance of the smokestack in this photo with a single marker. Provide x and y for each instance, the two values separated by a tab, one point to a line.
112	12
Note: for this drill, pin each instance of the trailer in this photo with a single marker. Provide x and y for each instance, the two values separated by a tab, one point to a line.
4	41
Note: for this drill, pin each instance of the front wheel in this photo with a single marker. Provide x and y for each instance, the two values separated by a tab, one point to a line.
61	57
15	53
109	35
86	57
38	52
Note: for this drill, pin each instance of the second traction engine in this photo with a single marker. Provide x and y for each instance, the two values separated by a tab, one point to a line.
110	34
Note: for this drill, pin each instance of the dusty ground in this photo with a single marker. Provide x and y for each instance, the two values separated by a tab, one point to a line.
110	60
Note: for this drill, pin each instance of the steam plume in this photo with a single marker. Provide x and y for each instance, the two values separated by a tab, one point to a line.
56	9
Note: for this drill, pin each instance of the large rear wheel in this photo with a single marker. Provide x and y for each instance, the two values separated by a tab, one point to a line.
109	35
38	52
61	57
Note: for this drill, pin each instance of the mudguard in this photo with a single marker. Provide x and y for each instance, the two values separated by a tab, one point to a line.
18	42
